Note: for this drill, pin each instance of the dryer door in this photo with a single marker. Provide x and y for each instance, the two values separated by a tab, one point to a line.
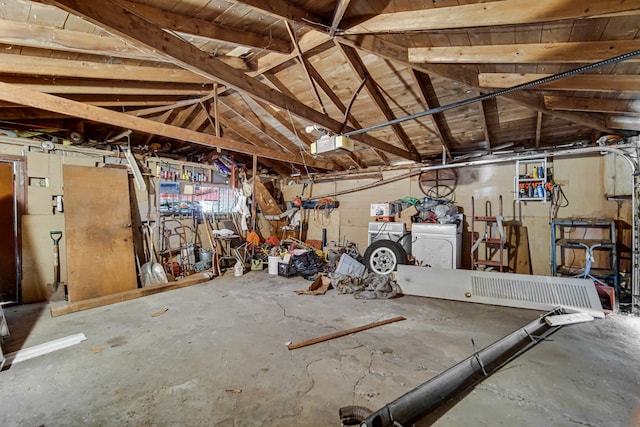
435	251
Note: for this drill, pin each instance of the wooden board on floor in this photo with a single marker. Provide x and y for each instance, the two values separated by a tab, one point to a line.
100	259
72	307
518	249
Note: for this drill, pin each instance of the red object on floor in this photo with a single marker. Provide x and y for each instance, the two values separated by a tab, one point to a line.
609	293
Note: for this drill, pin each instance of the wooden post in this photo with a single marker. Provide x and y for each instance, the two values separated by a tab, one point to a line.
254	207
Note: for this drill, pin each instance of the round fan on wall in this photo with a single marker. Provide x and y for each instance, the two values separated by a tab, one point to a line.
439	183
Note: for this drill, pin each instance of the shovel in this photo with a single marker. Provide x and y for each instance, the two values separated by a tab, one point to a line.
151	272
57	288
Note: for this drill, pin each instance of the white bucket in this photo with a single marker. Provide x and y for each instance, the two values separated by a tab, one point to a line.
273	264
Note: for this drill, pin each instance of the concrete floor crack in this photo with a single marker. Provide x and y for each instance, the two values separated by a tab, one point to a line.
366	374
522	401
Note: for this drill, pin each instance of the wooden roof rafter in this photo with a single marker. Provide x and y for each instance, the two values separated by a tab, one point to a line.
439	120
41	37
152	110
335	99
304	64
69	86
602	105
285	10
210	30
341	8
580	82
490	14
467	76
376	95
266	129
22	96
251	139
522	53
66	68
111	15
491	122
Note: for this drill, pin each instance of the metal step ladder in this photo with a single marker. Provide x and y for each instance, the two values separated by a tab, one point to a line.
488	239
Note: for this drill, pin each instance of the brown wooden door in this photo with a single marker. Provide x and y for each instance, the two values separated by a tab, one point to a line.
100	259
8	275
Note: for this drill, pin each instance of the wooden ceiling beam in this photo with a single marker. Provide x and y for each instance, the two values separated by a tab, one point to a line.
116	18
286	10
396	53
103	87
241	132
199	27
28	114
183	115
306	42
555	53
179	104
31	98
52	67
464	75
41	37
580	82
117	101
303	64
489	108
335	99
536	102
267	124
439	120
376	95
341	8
278	167
606	105
491	14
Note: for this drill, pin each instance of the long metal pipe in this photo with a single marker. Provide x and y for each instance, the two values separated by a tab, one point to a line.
484	97
423	400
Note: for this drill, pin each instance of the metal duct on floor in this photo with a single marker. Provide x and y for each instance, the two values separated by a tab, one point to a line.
423	402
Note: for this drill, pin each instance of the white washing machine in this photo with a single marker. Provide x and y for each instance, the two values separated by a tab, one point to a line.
437	245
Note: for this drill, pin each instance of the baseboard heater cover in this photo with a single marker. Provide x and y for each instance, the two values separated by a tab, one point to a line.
505	289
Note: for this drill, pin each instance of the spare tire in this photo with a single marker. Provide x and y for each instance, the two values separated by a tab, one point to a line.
383	256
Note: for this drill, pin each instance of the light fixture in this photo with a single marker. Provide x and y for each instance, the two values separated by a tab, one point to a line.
315	128
47	145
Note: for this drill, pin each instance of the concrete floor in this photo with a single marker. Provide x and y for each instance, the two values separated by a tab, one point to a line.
218	357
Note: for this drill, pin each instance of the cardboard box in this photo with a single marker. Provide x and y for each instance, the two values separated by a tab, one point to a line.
382	209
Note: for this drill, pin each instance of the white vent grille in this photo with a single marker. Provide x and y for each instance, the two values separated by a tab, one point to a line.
508	289
554	292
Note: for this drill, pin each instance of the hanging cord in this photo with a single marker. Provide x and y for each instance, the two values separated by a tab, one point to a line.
300	143
322	211
501	92
558	200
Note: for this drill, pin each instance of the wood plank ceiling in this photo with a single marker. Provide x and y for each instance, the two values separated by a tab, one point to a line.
197	78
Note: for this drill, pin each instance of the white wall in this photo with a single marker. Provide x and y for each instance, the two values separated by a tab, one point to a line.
582	180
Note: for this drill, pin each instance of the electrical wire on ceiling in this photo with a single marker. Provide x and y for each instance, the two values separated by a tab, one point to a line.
300	145
484	97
